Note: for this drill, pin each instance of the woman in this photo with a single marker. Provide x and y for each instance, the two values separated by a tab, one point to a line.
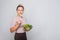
17	25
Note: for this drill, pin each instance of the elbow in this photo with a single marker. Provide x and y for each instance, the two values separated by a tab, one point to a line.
11	30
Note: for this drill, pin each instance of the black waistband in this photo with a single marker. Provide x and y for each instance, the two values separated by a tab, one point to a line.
20	33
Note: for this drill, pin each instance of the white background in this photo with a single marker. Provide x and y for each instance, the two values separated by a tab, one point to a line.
44	15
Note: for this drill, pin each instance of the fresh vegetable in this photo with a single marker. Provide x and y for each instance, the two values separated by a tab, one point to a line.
27	27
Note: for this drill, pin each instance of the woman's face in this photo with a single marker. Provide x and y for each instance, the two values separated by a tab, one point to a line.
20	11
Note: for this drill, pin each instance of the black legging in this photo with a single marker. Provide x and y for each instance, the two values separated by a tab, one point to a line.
20	36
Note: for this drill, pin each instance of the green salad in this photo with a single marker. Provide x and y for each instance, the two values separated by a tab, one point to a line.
27	27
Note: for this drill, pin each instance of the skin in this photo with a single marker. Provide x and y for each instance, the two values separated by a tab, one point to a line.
19	11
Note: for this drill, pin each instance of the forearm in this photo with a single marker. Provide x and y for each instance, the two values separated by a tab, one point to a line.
14	28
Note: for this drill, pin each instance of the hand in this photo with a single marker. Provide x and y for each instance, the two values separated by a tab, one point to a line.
18	22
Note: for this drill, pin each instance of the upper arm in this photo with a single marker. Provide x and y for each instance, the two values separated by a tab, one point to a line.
12	25
13	22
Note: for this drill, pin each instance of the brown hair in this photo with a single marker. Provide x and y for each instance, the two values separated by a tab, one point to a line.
20	6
